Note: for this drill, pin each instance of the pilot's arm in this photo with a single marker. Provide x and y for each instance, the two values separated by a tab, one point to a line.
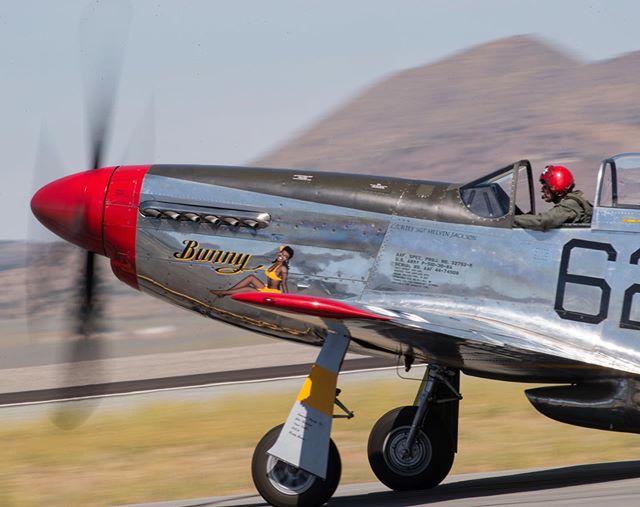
554	217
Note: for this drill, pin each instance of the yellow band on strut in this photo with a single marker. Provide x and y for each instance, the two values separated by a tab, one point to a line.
319	390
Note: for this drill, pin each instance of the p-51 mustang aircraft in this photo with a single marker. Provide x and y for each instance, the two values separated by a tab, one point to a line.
430	272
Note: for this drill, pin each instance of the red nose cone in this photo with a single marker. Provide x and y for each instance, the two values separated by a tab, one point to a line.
73	207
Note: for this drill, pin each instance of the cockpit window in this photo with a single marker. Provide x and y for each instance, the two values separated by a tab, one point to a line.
489	198
619	182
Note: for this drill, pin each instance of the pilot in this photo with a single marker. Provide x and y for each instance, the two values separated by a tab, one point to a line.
571	207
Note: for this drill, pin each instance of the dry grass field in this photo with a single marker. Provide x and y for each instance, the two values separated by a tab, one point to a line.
173	449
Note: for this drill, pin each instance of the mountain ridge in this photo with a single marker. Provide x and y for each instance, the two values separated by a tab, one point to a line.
476	110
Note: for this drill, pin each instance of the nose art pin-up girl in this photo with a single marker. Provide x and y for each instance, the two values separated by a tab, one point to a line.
276	277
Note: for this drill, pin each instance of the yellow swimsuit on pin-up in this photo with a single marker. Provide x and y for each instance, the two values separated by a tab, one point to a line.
271	274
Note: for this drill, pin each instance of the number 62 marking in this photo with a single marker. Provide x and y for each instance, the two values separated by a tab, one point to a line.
564	278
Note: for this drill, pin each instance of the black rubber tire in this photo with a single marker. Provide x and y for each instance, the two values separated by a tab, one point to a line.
317	493
390	469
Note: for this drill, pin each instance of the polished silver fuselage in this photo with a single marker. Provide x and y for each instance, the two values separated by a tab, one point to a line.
461	290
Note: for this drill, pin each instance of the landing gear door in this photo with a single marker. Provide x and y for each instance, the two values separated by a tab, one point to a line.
617	206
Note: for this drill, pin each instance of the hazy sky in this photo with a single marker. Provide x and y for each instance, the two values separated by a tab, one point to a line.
232	79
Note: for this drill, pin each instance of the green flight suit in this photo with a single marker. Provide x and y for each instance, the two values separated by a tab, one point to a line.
572	209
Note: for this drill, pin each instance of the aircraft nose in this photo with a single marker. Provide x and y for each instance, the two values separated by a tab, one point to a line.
73	207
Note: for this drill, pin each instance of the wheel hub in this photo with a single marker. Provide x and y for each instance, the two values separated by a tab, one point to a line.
402	460
288	479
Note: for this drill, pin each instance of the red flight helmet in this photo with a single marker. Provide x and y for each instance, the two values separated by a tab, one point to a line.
558	178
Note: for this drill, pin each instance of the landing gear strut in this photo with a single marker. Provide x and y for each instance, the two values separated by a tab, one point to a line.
297	463
413	447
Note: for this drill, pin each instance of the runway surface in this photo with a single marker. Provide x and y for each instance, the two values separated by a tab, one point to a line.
596	485
181	381
159	371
